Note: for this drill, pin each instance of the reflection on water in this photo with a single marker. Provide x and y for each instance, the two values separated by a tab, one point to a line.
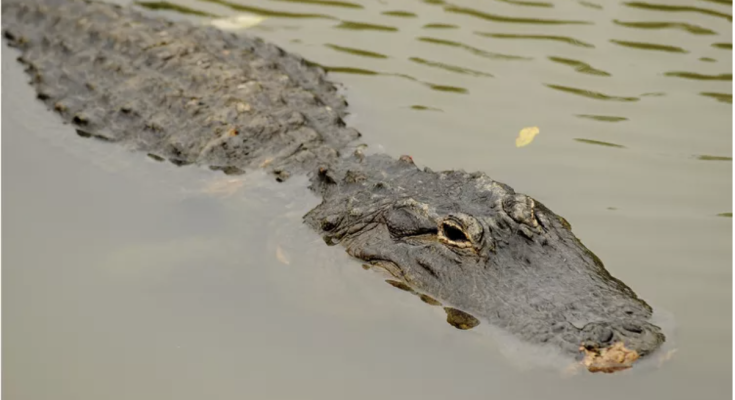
122	269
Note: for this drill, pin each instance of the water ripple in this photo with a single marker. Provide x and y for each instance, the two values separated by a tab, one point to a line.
362	26
564	39
714	158
398	13
328	3
701	77
473	50
579	66
450	68
368	72
590	94
723	2
425	108
694	29
590	5
447	88
354	51
721	97
267	12
670	8
166	6
602	118
440	26
599	143
499	18
542	4
649	46
726	46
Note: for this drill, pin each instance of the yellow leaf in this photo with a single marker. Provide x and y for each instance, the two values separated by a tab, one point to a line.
526	135
282	256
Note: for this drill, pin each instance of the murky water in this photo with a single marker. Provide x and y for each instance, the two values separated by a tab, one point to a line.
128	278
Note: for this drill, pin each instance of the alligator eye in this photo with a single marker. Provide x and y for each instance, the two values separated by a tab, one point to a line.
451	233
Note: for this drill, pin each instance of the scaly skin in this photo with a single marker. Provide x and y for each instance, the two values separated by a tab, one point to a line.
198	95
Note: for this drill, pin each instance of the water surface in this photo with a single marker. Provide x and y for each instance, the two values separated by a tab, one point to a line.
129	278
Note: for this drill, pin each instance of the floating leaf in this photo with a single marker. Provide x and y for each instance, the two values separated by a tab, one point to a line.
224	187
282	256
526	135
237	22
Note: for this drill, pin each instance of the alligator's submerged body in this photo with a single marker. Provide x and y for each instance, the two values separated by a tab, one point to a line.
195	94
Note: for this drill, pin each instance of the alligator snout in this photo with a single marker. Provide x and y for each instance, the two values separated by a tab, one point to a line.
641	336
614	346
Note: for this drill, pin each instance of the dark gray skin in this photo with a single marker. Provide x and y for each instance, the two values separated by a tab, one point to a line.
196	95
483	248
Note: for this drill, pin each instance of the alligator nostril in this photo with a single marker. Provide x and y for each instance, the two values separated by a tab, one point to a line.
605	335
632	328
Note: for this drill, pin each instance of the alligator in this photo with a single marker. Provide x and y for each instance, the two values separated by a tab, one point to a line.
193	94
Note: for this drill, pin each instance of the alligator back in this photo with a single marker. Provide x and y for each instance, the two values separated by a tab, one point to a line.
187	93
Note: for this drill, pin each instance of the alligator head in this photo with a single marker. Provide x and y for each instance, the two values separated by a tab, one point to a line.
477	245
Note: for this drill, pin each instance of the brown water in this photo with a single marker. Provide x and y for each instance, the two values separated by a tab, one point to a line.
126	278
